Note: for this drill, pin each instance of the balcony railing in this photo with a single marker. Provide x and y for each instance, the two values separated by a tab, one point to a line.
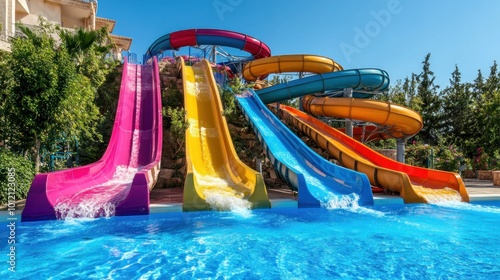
5	37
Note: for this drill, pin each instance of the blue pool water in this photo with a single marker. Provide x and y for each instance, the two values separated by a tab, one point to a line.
459	241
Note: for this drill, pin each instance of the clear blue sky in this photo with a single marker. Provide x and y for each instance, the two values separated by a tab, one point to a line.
393	35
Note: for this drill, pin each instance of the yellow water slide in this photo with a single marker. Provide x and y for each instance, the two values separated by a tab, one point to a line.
216	177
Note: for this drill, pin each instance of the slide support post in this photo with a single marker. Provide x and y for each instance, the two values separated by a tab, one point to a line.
400	152
348	122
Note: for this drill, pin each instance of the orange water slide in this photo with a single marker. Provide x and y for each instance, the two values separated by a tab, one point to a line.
414	184
289	63
399	121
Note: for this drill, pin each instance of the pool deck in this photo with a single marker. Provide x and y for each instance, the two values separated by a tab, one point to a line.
170	200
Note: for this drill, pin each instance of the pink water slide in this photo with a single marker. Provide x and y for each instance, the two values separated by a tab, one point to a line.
119	183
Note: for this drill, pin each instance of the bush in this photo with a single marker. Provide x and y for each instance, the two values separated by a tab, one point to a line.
178	123
443	158
418	155
18	168
449	159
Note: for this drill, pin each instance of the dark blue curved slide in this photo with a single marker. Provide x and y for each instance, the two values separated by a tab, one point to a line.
317	181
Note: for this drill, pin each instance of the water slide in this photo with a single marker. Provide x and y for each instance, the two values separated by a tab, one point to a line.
119	183
317	181
413	183
216	177
215	174
198	37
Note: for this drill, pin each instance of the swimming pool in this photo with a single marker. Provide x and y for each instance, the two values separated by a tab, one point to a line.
419	241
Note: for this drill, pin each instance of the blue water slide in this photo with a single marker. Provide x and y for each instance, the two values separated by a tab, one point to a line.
360	80
315	179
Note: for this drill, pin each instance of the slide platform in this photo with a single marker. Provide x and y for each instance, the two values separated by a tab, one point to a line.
317	181
119	183
215	174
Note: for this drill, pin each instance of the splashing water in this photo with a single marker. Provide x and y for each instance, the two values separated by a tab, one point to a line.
230	202
471	207
341	201
99	200
223	195
439	196
350	203
89	208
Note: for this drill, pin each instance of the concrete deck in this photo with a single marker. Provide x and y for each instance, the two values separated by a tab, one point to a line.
166	200
170	200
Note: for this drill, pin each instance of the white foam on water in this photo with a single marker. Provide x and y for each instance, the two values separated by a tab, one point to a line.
350	203
88	208
229	202
439	196
469	207
221	194
97	204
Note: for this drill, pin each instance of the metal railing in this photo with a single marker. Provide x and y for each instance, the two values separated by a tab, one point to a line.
5	36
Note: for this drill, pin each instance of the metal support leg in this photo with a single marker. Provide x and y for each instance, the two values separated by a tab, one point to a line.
348	122
400	152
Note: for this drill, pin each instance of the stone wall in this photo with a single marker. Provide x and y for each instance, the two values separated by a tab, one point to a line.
173	163
390	153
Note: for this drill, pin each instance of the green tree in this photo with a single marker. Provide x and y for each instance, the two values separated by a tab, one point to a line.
18	168
403	93
490	113
492	83
430	104
89	50
34	98
458	106
5	88
48	97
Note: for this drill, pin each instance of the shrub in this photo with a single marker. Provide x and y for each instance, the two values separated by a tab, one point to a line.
481	160
19	168
178	121
449	159
437	157
418	155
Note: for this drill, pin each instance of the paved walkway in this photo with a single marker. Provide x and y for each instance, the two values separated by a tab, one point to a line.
478	190
477	187
171	199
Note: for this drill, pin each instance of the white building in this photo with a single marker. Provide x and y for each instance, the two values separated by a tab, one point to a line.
66	13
